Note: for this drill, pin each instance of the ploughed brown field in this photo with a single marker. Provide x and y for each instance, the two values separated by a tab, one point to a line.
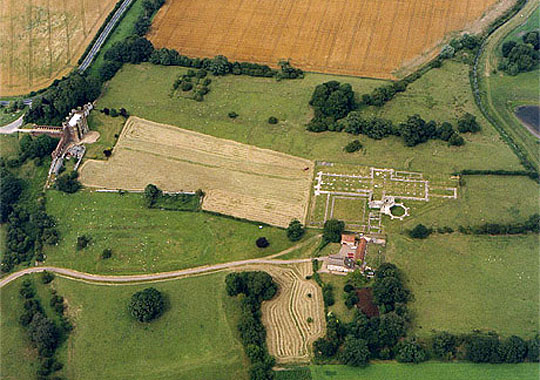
41	40
354	37
239	180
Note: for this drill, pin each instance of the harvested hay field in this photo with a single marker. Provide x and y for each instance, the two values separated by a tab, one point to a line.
289	334
370	38
239	180
43	39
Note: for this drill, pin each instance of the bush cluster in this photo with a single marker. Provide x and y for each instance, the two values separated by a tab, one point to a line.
62	96
530	225
68	182
335	110
255	287
29	227
520	56
147	305
193	80
376	337
44	334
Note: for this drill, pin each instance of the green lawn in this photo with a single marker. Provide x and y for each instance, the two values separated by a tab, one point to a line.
149	240
463	282
195	338
428	371
108	128
442	94
482	199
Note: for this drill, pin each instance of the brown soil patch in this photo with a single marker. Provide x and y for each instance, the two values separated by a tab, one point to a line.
41	40
365	302
365	37
239	180
91	137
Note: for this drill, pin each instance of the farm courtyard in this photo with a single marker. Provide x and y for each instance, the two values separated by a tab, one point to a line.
370	38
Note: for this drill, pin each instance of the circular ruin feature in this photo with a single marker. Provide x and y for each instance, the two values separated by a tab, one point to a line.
398	211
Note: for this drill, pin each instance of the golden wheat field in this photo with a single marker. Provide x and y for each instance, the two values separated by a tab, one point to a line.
239	180
289	334
362	37
41	40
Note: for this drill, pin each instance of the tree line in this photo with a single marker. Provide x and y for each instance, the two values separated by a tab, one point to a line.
335	109
43	332
29	227
253	288
154	197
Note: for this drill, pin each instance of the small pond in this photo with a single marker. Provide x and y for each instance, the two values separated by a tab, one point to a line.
530	116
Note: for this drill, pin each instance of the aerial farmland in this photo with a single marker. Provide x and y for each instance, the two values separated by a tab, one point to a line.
269	190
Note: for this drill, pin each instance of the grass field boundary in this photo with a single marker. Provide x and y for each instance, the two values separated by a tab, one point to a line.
476	83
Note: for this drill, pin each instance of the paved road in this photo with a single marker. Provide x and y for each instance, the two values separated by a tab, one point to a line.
12	127
95	48
103	36
99	278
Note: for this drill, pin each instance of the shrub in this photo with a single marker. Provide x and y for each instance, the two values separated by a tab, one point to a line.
68	182
513	350
420	232
348	288
47	277
147	305
332	231
328	295
262	242
272	120
353	146
187	86
468	123
444	345
233	115
481	348
295	231
107	152
106	254
409	351
83	241
355	352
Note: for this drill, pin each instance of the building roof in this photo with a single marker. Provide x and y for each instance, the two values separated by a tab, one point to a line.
348	239
361	250
74	119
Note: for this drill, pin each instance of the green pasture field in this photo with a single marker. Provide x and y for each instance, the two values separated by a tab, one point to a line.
428	371
463	282
502	93
108	127
482	199
442	94
149	240
196	337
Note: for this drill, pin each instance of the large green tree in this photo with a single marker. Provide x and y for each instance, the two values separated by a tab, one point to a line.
147	305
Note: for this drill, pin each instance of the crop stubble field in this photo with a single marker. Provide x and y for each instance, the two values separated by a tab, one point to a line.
41	40
366	37
239	180
289	334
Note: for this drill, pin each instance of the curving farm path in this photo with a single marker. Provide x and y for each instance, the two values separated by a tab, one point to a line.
12	127
128	279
